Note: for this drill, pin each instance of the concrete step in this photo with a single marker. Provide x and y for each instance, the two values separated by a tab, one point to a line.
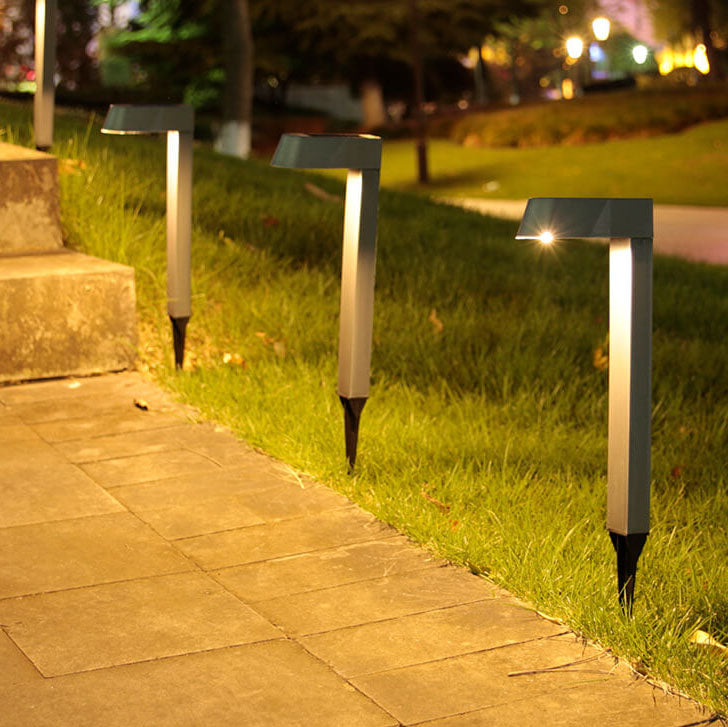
63	314
29	211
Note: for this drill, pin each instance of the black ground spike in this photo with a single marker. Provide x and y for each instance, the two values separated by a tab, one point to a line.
179	326
628	549
352	414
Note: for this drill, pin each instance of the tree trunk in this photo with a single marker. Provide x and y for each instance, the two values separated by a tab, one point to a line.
234	136
702	22
419	95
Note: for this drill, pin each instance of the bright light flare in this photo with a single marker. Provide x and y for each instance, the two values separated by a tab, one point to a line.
574	47
640	53
600	27
546	238
700	58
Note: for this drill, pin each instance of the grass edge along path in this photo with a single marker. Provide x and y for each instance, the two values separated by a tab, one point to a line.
485	434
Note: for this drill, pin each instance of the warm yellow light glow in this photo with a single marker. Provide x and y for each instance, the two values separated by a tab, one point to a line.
567	88
574	47
546	238
640	53
671	58
600	27
700	58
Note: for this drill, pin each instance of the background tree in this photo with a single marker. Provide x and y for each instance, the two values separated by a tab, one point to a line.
76	66
705	20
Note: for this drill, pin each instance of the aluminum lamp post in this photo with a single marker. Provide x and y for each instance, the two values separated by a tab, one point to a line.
628	225
361	155
46	15
178	123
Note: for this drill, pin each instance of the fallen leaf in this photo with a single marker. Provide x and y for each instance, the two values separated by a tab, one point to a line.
676	471
269	221
702	638
600	359
437	324
141	404
70	166
321	193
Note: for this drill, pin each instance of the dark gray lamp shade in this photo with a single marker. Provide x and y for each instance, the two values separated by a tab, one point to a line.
141	119
586	217
328	151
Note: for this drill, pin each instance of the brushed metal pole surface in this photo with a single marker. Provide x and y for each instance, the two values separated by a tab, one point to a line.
46	20
357	283
630	346
179	222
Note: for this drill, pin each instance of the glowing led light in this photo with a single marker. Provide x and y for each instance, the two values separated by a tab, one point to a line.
700	58
600	27
574	47
640	53
546	238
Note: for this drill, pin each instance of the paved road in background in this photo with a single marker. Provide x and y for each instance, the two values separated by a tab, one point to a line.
693	233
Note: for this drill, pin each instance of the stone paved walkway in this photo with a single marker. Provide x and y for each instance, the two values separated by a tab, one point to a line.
155	571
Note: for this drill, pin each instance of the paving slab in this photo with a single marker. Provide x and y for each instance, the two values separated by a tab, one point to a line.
430	636
206	512
121	623
324	569
125	444
130	383
376	600
273	683
39	411
218	445
625	703
127	419
221	447
288	537
12	429
38	485
211	515
147	467
191	490
474	681
15	667
82	552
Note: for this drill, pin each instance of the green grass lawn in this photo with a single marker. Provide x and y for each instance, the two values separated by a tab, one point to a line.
485	436
682	168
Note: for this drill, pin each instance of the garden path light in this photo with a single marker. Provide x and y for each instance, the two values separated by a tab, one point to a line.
46	15
361	155
628	225
178	123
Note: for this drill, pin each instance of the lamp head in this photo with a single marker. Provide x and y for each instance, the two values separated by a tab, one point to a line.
328	151
557	218
144	119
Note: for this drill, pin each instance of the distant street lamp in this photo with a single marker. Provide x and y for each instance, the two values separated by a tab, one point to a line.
46	15
600	28
178	123
574	47
628	225
361	155
640	53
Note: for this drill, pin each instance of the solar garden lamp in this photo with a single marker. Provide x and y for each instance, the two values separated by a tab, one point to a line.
628	225
46	16
178	123
361	155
